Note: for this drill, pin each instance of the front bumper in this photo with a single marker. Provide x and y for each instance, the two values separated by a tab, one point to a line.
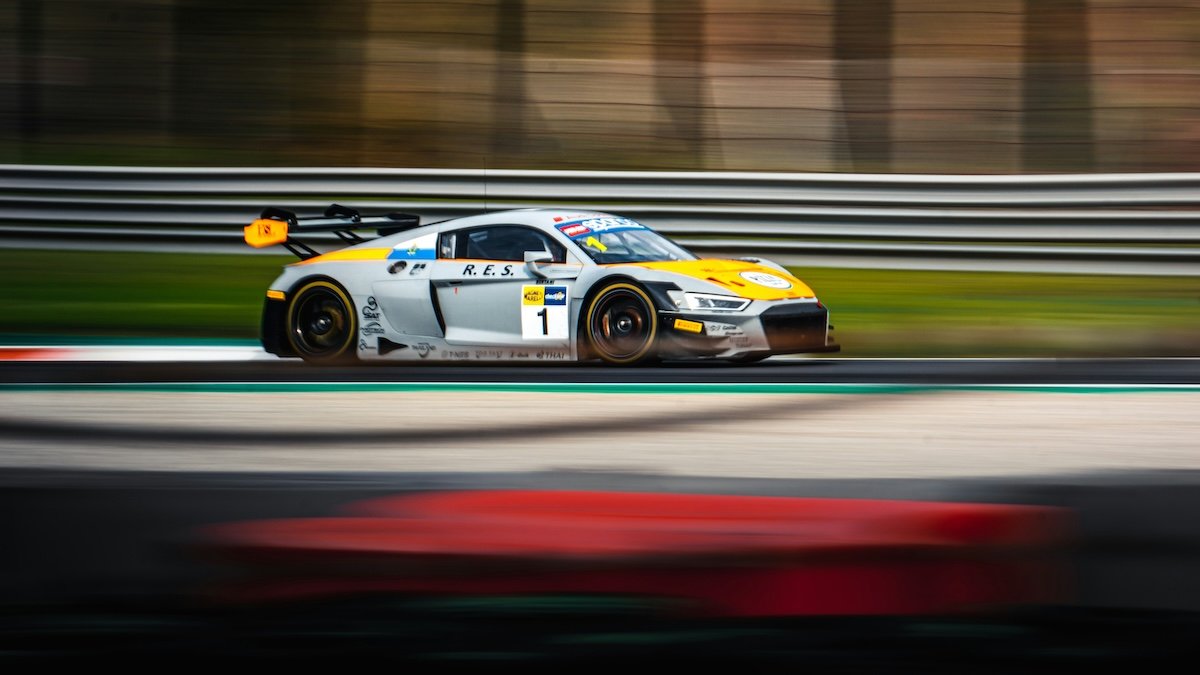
766	328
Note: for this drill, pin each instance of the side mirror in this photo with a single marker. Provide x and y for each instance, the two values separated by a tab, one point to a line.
535	259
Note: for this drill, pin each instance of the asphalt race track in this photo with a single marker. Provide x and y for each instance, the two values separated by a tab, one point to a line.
102	564
777	370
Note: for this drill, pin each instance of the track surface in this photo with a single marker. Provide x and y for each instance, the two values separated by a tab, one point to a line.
848	371
102	565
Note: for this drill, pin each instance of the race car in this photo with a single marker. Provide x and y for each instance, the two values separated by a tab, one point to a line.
528	285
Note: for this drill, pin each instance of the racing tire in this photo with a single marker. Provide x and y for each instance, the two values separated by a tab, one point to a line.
321	324
622	325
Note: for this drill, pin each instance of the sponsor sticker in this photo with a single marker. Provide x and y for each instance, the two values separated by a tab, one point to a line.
555	295
722	329
544	312
371	309
575	230
689	326
582	228
768	280
533	295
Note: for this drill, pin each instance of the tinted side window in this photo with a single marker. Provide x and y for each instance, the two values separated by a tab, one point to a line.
505	242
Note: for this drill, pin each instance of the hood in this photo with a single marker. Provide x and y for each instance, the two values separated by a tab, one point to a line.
741	278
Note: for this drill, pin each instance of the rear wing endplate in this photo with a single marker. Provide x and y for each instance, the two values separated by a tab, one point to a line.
278	226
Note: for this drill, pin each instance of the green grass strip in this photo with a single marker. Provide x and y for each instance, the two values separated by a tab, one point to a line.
886	313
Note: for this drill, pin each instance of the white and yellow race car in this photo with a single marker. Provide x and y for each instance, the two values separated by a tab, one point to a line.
530	285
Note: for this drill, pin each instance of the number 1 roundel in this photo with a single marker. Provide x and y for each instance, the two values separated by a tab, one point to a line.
544	314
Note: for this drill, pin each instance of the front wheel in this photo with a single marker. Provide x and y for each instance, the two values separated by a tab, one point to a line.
622	326
321	325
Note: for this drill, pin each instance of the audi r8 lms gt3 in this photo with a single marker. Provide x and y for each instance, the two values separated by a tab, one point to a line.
525	285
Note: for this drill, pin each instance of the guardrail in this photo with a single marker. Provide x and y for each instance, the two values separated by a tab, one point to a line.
1148	223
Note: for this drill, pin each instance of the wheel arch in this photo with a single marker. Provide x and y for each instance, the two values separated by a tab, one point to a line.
583	339
583	349
350	352
273	332
308	279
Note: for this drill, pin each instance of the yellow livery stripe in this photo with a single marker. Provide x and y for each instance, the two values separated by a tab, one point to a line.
741	278
349	254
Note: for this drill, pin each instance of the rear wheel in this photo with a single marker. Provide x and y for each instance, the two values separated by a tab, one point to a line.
622	326
321	325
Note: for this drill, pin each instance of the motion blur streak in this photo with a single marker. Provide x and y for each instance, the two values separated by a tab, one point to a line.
910	86
727	555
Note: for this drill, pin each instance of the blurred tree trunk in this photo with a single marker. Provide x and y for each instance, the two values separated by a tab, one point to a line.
29	40
1057	110
679	76
862	50
508	124
284	80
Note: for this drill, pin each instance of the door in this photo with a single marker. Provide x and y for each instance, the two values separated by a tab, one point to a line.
487	296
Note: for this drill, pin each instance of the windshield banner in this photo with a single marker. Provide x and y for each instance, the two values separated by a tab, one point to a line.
582	228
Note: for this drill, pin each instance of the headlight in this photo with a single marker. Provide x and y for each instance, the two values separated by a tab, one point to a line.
706	301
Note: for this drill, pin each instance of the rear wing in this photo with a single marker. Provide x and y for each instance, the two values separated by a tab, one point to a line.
277	226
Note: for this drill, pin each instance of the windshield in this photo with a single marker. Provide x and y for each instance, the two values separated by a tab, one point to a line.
609	240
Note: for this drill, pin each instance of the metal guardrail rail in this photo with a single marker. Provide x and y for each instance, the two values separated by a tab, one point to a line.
1151	220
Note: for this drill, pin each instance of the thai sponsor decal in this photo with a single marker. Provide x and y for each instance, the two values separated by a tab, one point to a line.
372	328
424	349
764	279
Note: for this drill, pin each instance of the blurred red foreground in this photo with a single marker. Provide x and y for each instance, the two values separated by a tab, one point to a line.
714	555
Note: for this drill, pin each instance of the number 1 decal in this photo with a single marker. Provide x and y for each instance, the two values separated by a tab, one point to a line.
544	313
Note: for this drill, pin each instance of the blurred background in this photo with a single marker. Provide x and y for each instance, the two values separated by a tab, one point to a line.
113	489
892	86
909	86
